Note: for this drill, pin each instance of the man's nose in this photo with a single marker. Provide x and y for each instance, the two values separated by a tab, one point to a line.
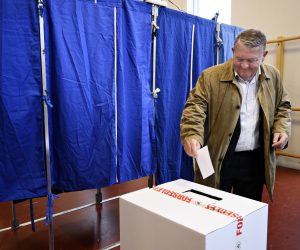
245	65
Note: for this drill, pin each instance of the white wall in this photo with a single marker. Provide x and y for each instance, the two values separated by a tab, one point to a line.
208	9
278	18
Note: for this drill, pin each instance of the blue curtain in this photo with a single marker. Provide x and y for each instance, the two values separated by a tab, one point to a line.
135	106
174	41
204	46
86	152
81	86
22	171
102	125
228	34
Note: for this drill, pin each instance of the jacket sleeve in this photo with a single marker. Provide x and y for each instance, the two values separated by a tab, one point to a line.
282	115
194	113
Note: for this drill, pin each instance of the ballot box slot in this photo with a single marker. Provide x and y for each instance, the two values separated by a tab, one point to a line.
203	194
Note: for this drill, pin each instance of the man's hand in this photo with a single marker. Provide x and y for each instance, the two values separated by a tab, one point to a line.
191	147
280	140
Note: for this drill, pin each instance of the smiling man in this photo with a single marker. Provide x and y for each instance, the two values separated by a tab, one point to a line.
241	111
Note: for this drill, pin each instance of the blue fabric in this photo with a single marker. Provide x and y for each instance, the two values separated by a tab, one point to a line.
173	76
87	149
22	171
204	46
82	91
228	33
135	105
81	87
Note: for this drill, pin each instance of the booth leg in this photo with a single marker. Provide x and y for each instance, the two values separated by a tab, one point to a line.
98	196
150	181
14	222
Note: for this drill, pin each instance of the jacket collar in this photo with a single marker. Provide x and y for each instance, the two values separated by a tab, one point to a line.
264	72
227	74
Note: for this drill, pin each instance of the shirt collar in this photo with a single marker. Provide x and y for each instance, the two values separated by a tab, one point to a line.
253	80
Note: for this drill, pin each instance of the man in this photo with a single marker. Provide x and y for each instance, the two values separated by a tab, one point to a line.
241	111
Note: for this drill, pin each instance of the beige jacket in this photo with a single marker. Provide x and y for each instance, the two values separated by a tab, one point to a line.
213	108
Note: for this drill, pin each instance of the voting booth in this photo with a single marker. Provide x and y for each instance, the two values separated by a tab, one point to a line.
185	215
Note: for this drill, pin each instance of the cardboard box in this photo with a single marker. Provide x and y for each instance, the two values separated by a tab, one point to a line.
185	215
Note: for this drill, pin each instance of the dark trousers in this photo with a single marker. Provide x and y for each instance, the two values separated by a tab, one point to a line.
242	173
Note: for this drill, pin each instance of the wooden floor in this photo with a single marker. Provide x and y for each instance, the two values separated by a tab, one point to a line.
96	226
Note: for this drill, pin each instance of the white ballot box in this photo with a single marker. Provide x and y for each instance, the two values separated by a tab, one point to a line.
183	215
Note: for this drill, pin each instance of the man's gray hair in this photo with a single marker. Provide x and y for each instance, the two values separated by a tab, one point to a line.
252	38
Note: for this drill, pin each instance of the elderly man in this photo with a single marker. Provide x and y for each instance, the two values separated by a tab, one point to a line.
241	111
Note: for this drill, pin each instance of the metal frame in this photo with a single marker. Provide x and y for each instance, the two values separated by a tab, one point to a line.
218	38
155	91
46	126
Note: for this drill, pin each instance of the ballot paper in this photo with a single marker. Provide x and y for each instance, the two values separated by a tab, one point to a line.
204	162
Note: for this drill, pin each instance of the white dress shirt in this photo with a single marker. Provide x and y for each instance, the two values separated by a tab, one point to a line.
249	116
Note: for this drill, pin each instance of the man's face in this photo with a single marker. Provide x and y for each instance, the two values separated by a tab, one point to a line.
246	61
